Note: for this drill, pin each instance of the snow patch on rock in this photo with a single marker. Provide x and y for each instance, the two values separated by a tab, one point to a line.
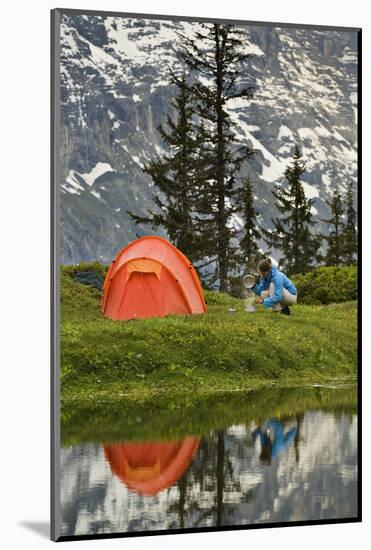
99	169
310	191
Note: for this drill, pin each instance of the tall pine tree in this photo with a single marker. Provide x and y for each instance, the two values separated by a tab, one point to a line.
291	232
177	175
248	244
350	229
216	58
335	237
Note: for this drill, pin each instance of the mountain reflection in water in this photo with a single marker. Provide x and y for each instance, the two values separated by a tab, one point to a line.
292	468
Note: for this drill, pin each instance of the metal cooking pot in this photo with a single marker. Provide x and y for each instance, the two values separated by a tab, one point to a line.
248	281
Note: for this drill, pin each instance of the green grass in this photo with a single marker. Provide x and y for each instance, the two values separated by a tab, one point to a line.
103	359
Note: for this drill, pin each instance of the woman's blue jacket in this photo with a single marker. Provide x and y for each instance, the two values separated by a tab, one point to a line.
280	281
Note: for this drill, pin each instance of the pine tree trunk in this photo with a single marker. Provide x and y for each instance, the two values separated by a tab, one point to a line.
220	174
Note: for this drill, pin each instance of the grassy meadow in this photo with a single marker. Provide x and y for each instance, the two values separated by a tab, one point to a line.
110	360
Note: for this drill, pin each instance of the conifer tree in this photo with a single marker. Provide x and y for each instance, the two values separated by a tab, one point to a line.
177	175
291	231
350	229
216	58
248	244
335	236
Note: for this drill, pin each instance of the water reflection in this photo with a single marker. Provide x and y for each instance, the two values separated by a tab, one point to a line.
281	469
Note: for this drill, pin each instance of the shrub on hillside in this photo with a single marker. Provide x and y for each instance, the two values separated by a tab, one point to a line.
95	267
325	285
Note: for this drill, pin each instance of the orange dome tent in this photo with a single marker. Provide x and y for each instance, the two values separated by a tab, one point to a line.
151	278
148	468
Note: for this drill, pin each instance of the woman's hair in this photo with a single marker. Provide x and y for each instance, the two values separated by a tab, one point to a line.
265	265
266	450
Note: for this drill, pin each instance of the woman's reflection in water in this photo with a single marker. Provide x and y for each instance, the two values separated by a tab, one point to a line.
273	440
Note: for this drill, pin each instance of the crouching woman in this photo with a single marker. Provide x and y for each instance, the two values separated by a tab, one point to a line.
274	288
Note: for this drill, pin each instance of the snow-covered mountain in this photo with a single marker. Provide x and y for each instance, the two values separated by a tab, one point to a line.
115	91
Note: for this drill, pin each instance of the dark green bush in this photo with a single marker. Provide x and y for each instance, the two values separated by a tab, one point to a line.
96	267
325	285
236	287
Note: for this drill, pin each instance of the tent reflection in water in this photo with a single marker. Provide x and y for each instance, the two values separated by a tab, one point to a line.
151	278
148	468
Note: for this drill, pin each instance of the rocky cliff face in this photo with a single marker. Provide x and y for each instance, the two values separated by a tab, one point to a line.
115	91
